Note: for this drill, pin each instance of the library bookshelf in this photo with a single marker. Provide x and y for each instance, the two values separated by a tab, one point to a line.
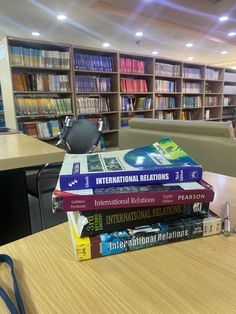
45	81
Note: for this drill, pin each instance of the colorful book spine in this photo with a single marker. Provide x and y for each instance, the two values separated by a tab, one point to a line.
143	237
132	196
93	222
161	162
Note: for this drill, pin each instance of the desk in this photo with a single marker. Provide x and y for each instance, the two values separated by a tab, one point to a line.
17	152
195	276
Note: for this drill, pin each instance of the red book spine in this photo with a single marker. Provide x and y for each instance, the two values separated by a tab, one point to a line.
66	201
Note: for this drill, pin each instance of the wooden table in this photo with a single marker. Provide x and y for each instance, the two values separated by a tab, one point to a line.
195	276
18	152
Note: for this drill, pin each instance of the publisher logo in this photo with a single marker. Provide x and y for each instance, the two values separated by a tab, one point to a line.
193	174
72	183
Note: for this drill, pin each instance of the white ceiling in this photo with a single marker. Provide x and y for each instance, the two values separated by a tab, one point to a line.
167	25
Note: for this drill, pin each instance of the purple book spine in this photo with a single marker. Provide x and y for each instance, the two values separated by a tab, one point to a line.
136	177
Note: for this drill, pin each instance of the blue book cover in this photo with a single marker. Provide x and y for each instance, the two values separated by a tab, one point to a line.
161	162
131	239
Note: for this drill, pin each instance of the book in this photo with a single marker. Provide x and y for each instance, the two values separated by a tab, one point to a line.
143	237
132	196
93	222
161	162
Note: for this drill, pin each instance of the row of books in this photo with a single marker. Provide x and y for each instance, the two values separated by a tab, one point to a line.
86	105
85	83
129	103
229	112
93	62
228	101
211	101
230	76
229	89
189	72
167	69
163	115
42	106
212	74
41	82
128	65
30	57
133	85
165	86
192	102
134	199
190	115
41	129
191	87
164	102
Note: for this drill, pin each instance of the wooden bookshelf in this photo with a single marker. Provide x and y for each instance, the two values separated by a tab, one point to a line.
111	85
37	89
96	87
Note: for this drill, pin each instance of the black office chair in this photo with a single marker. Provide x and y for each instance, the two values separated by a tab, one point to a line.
76	137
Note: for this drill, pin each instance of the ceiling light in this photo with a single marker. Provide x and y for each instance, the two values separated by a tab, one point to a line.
189	45
223	18
61	17
106	45
224	52
35	33
139	34
231	34
190	58
155	53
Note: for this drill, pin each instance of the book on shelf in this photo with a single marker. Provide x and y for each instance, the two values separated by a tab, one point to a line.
165	102
86	105
211	101
212	74
41	129
161	162
86	83
190	72
31	57
163	115
130	103
88	62
93	222
132	196
35	105
131	239
165	86
131	65
133	85
192	102
167	69
192	87
230	76
40	82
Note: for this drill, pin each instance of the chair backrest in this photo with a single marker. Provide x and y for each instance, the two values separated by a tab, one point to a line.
80	136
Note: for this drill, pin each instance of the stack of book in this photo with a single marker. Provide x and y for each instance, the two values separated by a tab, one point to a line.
132	199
